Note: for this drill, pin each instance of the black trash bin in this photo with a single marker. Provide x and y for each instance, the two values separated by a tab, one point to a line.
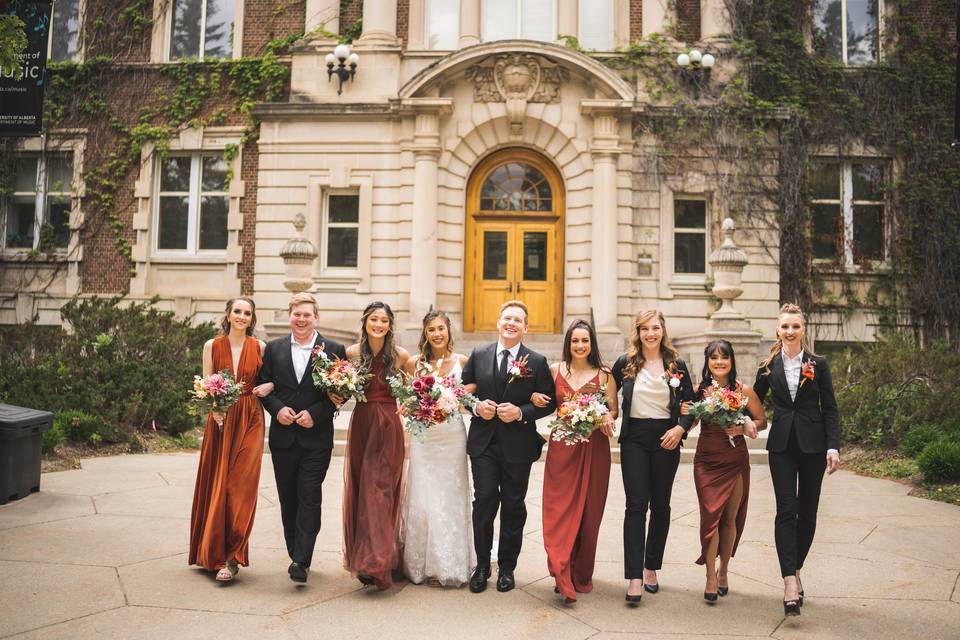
21	440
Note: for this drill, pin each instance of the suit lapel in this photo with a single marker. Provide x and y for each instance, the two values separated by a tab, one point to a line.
307	374
779	376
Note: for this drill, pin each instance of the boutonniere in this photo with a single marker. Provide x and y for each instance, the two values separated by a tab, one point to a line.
808	371
673	379
319	351
518	369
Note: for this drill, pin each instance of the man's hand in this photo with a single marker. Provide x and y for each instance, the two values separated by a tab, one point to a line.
286	416
539	400
304	419
486	409
833	461
337	400
508	412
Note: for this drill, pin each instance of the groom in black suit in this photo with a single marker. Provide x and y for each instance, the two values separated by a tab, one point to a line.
503	442
301	429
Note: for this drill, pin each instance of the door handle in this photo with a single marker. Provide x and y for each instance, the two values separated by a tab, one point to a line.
518	287
509	288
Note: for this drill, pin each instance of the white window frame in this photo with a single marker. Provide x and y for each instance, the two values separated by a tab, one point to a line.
611	23
699	275
81	14
193	207
881	11
40	196
518	22
162	37
339	181
846	209
326	225
426	25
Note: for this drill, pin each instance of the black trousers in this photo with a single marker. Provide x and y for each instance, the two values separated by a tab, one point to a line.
299	473
648	473
498	484
797	477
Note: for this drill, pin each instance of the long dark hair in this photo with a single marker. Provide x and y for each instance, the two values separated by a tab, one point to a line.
225	320
388	354
594	359
426	351
726	349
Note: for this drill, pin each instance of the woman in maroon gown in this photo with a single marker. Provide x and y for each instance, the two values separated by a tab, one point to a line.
373	462
721	470
228	477
576	477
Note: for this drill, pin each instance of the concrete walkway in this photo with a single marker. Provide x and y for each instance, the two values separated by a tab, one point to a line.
101	552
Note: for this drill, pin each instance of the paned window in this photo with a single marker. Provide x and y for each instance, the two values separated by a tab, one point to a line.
341	229
596	24
65	31
689	236
442	24
527	19
516	186
202	29
848	30
192	204
847	211
36	215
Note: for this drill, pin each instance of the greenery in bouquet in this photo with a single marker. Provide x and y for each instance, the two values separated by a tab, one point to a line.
428	400
578	416
345	378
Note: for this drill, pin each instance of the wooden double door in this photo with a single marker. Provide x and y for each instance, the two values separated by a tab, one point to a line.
514	240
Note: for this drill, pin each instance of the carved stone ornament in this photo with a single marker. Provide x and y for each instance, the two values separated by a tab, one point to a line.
516	79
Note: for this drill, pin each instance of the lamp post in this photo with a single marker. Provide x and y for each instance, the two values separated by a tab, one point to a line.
695	69
343	64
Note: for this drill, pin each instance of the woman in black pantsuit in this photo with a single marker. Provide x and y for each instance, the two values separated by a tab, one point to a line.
804	441
655	382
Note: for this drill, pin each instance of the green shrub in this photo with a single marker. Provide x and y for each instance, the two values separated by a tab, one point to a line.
128	364
913	441
940	461
52	437
79	426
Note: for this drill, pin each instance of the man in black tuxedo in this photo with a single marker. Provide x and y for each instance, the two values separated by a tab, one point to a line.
301	429
503	441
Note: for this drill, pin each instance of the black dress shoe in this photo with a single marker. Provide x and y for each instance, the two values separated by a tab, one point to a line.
298	572
505	581
651	588
478	581
791	607
711	598
801	598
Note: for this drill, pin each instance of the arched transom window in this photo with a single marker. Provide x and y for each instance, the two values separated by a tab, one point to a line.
516	186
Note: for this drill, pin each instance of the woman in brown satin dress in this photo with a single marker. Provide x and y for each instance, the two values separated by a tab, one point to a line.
721	470
225	497
373	462
576	477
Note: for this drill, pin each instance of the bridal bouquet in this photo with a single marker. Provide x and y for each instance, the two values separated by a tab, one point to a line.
721	407
577	417
216	392
428	400
345	378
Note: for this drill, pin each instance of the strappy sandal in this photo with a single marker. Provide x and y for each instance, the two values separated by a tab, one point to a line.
228	572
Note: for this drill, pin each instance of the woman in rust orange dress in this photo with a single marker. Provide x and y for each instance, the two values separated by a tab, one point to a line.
373	462
225	496
721	470
576	477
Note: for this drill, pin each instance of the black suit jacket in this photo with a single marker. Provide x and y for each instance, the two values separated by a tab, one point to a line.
813	413
278	369
519	440
678	395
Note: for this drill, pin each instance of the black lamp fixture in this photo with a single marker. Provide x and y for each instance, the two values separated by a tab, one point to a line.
343	64
695	69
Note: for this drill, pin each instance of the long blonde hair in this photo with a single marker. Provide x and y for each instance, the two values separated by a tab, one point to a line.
635	359
787	309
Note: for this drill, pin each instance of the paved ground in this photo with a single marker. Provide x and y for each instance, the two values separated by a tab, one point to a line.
101	553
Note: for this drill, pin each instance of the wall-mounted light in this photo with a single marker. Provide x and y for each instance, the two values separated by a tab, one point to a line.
343	64
695	69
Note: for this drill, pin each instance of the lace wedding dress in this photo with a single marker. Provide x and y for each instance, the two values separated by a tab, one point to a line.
437	531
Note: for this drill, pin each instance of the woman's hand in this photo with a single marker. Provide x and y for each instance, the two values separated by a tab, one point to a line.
337	400
734	431
540	399
263	390
685	408
672	437
750	428
218	418
606	427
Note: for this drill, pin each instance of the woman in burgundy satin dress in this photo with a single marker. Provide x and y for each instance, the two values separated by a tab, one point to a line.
373	461
576	477
721	470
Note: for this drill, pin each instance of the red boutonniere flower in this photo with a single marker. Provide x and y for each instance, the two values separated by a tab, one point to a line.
319	350
518	369
808	371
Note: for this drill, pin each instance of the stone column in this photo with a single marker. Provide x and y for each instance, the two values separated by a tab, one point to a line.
469	23
423	241
568	20
325	13
714	19
379	23
605	150
656	15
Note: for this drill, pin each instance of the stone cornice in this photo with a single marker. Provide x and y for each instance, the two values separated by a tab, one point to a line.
319	111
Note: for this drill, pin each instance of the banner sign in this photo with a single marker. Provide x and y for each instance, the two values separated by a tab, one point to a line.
21	85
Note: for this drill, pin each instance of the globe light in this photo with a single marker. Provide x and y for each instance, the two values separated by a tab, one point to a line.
342	52
708	60
683	60
353	59
695	55
331	59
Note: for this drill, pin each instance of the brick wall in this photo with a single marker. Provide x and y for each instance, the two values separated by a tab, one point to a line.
403	22
636	20
688	20
350	12
265	21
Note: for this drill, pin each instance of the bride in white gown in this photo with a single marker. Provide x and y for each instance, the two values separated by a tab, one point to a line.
436	530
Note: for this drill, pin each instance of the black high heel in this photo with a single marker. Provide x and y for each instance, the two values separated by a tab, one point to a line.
651	588
633	599
791	607
711	598
800	586
722	591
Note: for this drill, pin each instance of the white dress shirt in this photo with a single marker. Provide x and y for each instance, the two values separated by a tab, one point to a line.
791	368
301	355
514	350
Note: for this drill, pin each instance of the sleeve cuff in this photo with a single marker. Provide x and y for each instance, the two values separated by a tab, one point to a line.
836	451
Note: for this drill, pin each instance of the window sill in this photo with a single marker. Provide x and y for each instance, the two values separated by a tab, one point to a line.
831	268
219	259
337	282
32	257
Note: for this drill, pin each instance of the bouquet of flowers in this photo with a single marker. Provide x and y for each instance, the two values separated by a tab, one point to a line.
344	378
577	417
216	392
518	368
722	407
428	400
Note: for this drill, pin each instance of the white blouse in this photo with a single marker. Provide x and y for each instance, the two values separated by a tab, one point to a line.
651	397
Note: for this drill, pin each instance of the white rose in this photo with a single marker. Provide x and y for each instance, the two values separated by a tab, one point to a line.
674	382
514	371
